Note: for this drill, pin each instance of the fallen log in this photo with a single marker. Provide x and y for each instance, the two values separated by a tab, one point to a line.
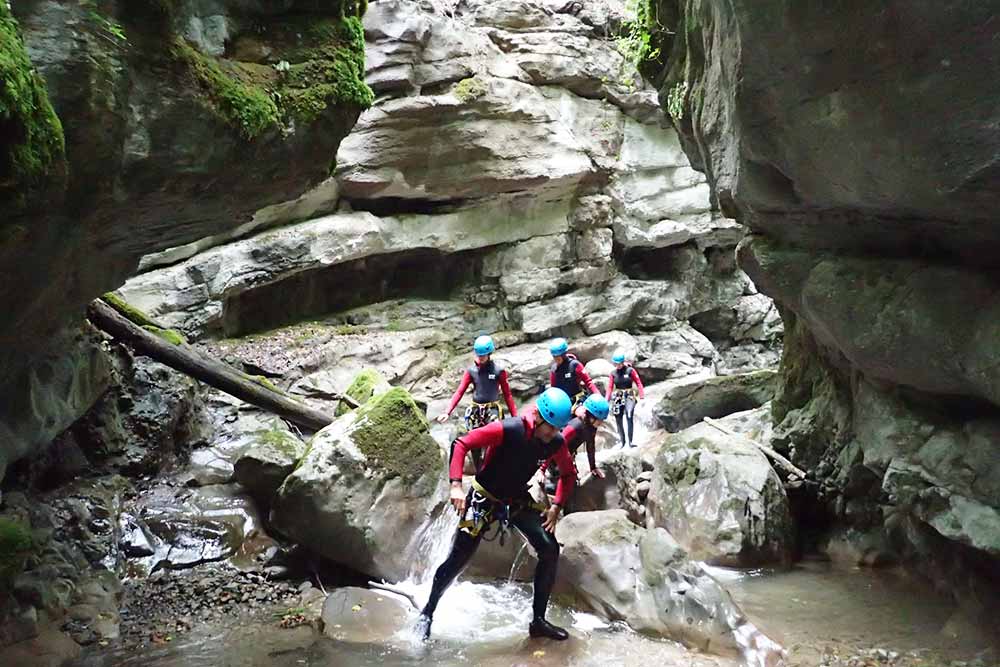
782	462
170	349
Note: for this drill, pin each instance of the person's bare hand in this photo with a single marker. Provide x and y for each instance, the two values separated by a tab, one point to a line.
550	518
598	473
442	418
458	497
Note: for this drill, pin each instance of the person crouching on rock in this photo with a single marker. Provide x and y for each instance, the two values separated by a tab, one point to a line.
568	374
516	447
622	390
488	381
582	429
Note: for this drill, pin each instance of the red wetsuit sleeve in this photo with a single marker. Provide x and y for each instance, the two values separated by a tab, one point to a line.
611	387
485	436
567	475
505	388
552	378
582	376
466	381
638	384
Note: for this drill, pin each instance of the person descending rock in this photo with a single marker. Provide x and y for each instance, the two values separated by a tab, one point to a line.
516	447
568	374
582	429
488	381
622	390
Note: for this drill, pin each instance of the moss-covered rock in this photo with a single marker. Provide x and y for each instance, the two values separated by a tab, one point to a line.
392	433
15	545
268	460
364	385
31	134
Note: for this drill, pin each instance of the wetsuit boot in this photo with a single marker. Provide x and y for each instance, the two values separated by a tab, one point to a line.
541	628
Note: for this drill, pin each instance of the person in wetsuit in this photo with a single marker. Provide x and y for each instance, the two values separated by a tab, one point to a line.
515	448
568	374
623	388
488	381
581	429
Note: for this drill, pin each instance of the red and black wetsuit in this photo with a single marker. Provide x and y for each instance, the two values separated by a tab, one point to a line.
488	381
571	377
623	385
577	432
513	455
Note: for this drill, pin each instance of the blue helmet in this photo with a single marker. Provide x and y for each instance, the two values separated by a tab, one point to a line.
558	347
555	407
483	346
597	406
619	357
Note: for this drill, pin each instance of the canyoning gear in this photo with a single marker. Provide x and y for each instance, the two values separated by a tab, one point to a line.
623	389
597	406
483	346
555	407
619	357
558	347
513	454
572	378
577	432
499	497
541	628
489	380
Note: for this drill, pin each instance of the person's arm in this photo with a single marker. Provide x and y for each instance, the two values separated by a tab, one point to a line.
505	388
552	378
466	381
611	387
592	453
638	384
485	436
567	475
584	379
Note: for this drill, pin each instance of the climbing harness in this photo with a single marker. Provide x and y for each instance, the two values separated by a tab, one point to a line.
619	398
486	509
480	414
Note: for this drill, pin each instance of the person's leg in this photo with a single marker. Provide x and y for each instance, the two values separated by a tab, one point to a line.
466	542
630	416
621	429
529	522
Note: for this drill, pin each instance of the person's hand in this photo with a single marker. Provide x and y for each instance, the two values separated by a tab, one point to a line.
550	518
458	497
598	473
442	418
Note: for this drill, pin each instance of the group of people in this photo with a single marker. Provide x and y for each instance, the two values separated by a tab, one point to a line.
509	451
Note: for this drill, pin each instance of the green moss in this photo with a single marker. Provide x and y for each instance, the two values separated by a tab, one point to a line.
242	104
172	336
361	389
392	433
30	132
136	316
264	382
281	441
469	89
15	546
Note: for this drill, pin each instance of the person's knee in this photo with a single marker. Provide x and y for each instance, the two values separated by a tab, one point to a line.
548	550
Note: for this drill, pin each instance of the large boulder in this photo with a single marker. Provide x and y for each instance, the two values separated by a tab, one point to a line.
618	488
367	485
363	616
642	576
719	496
689	401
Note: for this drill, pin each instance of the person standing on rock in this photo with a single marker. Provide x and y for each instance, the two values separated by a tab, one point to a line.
568	374
623	387
488	381
515	448
582	429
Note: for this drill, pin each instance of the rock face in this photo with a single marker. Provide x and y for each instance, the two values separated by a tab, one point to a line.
268	460
876	257
688	401
365	487
719	496
642	576
149	109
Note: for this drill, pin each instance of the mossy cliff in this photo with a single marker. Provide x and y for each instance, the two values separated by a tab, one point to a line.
131	127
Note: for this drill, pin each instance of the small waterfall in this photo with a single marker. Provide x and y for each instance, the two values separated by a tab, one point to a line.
430	545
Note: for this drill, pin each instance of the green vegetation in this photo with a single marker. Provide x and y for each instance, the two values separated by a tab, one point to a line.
469	89
15	546
675	101
636	41
393	435
322	66
361	389
139	318
31	135
281	441
108	29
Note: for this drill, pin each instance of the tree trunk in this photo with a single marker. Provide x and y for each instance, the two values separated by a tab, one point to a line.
184	358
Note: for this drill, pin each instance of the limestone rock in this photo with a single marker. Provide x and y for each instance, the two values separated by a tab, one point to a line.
719	496
268	460
366	486
689	401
